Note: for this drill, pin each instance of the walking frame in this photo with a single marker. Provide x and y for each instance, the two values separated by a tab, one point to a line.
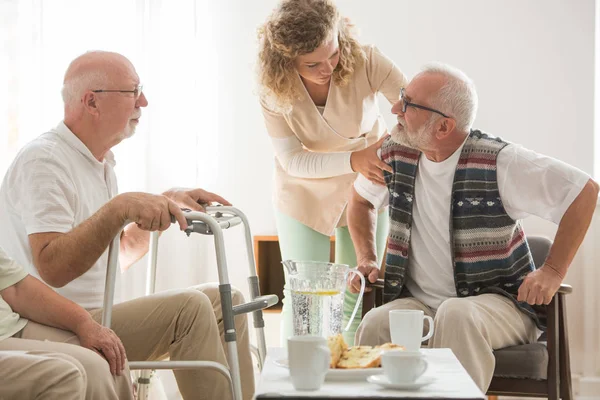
210	223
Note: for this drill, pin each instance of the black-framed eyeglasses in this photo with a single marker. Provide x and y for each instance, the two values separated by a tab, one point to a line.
137	92
407	104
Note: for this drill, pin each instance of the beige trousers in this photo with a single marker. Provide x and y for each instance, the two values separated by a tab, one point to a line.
471	326
46	363
185	324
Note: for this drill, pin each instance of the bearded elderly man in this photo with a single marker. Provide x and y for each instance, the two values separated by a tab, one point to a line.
456	198
59	210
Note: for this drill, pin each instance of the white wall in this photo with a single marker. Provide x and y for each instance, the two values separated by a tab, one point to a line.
532	62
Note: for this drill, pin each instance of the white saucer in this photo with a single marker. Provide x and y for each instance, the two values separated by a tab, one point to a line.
382	380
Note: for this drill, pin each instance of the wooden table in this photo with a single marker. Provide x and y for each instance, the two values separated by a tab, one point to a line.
452	382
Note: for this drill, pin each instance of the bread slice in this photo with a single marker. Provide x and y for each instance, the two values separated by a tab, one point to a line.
360	357
364	356
391	346
337	345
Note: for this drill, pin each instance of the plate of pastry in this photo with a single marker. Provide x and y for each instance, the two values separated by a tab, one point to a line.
351	363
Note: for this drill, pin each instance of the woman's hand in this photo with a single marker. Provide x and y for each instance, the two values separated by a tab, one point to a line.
367	163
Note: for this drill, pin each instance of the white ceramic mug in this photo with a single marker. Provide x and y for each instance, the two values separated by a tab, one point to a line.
406	328
403	366
308	358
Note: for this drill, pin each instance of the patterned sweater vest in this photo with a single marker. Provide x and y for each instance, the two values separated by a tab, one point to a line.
489	250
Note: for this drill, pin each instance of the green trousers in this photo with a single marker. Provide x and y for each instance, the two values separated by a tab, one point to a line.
299	242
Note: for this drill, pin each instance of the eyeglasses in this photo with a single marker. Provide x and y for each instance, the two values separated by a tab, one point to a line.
407	104
137	92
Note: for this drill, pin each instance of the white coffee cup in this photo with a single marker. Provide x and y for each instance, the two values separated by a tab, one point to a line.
403	366
406	328
308	358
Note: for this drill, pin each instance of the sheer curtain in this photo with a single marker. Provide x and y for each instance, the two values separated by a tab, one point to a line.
171	44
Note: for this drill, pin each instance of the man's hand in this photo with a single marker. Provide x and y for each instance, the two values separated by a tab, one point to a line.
194	199
149	211
540	286
370	271
103	341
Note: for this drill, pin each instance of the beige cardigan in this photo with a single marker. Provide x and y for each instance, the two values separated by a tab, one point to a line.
351	121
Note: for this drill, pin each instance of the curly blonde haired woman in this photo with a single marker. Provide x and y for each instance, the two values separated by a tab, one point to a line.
318	95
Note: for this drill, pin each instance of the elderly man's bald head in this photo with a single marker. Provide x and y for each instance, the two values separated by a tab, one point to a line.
93	70
103	100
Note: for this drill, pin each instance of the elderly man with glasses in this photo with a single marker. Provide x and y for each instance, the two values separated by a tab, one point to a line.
456	248
59	210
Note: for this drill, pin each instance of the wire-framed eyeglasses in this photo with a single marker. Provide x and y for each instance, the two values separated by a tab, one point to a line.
137	92
409	104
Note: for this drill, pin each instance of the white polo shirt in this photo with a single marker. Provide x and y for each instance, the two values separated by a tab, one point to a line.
53	185
529	184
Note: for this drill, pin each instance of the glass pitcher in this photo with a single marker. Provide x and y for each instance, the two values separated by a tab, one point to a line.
318	290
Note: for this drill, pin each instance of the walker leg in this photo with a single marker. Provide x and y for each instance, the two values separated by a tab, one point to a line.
230	339
144	384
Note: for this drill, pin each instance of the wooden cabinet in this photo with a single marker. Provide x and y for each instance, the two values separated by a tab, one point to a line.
269	268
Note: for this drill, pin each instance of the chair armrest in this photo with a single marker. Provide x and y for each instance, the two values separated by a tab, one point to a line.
378	284
565	289
372	298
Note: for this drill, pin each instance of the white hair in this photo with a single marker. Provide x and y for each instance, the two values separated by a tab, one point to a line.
84	79
457	98
74	88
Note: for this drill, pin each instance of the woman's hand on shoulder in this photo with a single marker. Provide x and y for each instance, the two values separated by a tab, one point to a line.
367	163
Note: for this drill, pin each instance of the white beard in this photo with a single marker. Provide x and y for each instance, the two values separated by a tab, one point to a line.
128	132
418	140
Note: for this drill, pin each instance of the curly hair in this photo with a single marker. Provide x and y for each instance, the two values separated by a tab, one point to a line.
298	27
